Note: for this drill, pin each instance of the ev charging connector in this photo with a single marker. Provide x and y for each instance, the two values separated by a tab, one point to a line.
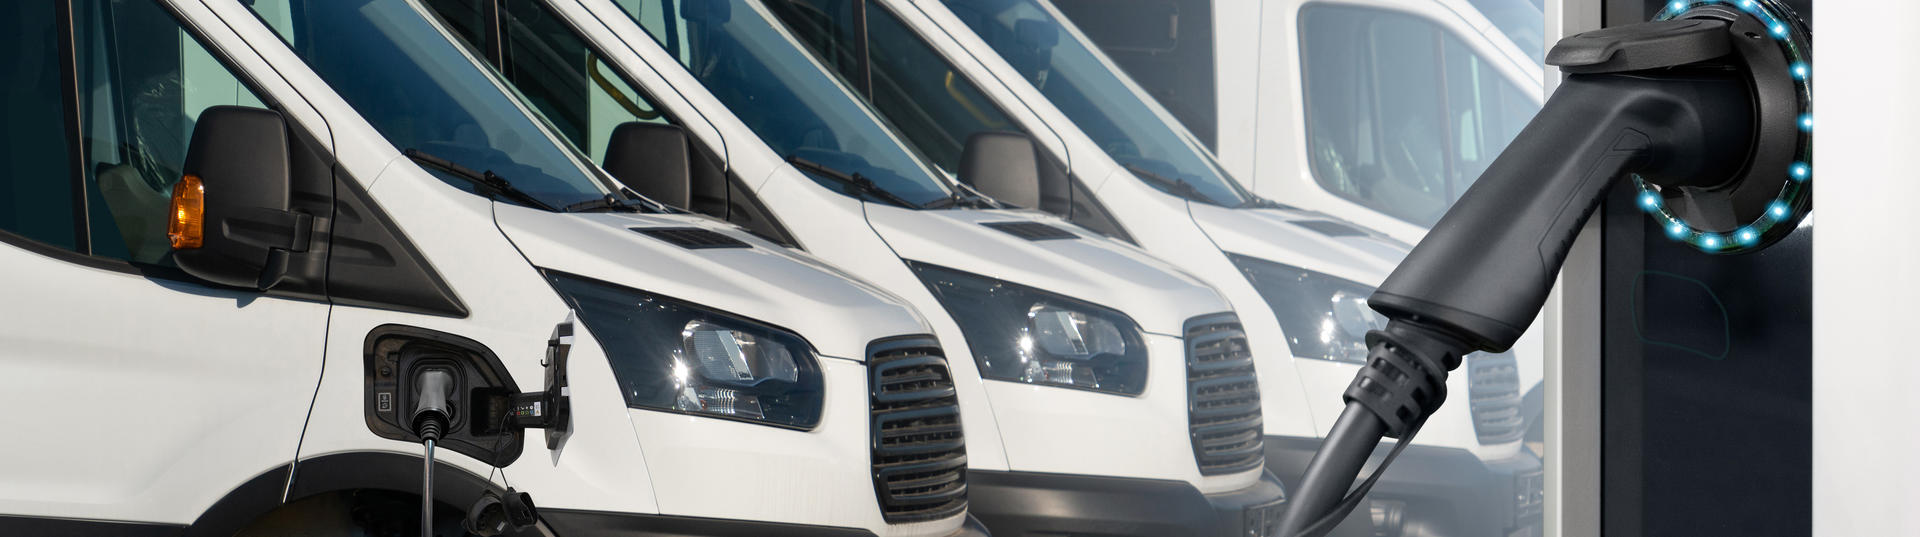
1707	110
451	393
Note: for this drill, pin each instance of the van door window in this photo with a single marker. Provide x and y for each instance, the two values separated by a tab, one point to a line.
565	81
928	101
37	196
584	97
143	83
423	92
1401	116
1165	46
742	55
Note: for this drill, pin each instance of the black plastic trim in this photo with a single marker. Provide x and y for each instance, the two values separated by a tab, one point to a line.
932	471
1230	391
373	470
67	527
692	238
1447	490
391	273
1032	231
1021	504
569	522
1331	228
76	142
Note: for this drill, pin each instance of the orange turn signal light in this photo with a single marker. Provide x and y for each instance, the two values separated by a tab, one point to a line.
186	228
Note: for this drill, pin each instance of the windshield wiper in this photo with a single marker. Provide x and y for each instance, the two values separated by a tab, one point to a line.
1179	186
610	202
489	181
1255	201
964	196
855	180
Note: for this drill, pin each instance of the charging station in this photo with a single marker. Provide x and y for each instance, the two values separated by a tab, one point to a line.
1682	387
1683	132
1706	369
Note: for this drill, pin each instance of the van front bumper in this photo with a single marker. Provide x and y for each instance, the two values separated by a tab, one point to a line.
1433	491
1021	504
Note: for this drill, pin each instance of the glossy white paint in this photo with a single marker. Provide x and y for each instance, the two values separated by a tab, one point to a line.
218	386
871	241
129	394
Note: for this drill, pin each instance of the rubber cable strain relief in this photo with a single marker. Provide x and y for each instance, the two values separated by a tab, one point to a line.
429	428
1404	379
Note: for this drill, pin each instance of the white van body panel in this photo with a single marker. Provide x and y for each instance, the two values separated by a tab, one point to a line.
87	394
820	219
217	387
144	399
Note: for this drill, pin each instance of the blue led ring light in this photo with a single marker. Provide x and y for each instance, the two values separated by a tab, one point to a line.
1792	202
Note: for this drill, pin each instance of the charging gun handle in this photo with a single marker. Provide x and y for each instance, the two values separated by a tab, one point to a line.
1485	269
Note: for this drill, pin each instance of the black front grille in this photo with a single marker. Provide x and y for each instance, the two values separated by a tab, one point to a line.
919	453
1223	396
1493	388
1033	231
692	238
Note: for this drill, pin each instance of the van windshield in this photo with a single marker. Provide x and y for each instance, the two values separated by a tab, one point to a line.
798	108
1083	86
423	93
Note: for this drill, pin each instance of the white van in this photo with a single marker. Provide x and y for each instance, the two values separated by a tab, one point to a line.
1377	111
951	70
1108	392
243	289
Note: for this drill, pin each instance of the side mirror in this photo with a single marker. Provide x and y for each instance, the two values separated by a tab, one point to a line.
1010	167
230	220
651	159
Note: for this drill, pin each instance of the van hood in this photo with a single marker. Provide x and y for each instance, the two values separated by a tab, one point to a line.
836	312
1306	239
1086	266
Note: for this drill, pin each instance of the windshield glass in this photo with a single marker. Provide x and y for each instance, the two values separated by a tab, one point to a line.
1076	81
424	94
800	110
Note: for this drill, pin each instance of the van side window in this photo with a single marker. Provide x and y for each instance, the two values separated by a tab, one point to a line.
560	76
1165	46
37	196
1401	116
143	82
928	101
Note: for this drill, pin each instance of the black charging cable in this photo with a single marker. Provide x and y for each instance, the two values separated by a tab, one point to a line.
431	417
1402	383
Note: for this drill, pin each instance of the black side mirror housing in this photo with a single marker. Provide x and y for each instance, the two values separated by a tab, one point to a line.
240	157
652	159
1011	168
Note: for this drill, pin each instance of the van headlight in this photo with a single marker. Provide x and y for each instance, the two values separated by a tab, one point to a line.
679	357
1325	317
1023	334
